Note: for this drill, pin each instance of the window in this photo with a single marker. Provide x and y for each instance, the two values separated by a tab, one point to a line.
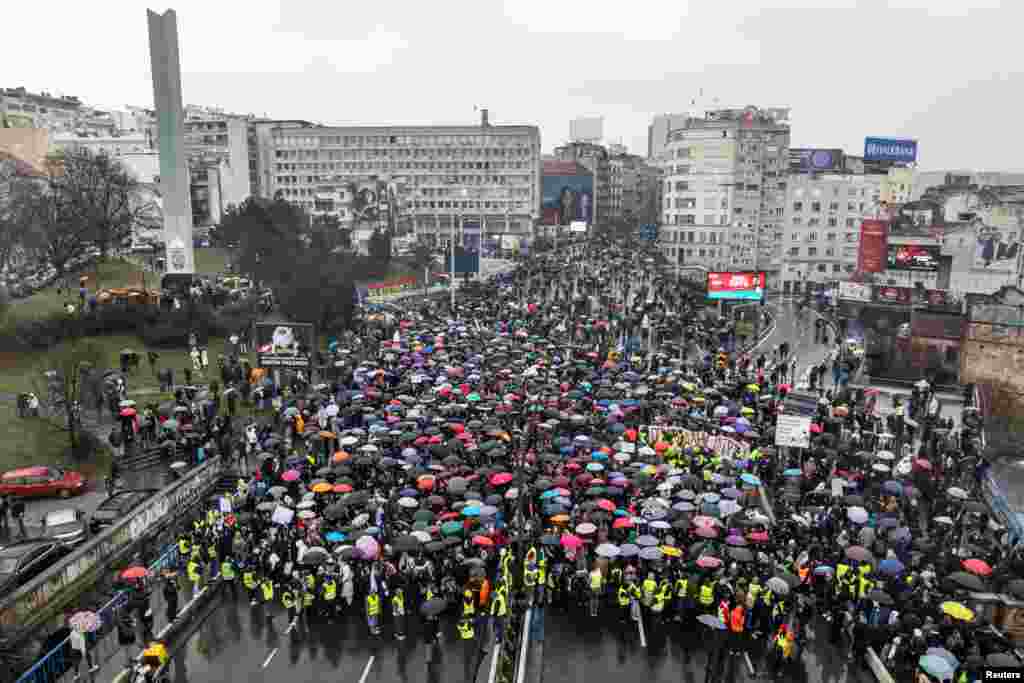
851	237
833	221
794	251
848	267
794	236
831	237
797	220
834	206
849	222
798	206
682	186
851	206
812	237
836	267
709	219
683	153
830	251
822	267
812	251
816	207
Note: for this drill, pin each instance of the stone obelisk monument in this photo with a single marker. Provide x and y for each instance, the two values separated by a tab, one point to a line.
174	175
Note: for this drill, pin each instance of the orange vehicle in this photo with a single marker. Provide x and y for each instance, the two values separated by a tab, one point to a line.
128	295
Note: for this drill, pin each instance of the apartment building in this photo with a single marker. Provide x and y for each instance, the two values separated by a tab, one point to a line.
473	182
724	179
596	159
217	149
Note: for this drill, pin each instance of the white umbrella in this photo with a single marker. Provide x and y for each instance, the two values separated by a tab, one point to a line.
607	550
857	515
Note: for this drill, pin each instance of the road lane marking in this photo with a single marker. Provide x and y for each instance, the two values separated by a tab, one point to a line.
750	665
494	664
640	626
366	671
266	662
291	626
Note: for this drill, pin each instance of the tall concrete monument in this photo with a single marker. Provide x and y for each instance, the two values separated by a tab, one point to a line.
174	175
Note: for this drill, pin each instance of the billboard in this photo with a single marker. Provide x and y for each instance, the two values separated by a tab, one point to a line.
284	345
746	286
916	257
997	246
568	194
807	160
854	291
886	294
872	254
23	151
890	149
471	235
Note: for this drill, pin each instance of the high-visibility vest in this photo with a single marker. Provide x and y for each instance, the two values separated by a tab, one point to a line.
372	604
310	581
623	596
268	591
499	605
287	599
466	629
780	608
681	586
249	579
738	619
753	591
542	571
662	596
649	587
841	570
307	598
707	594
468	608
530	576
803	573
766	597
193	571
330	590
211	552
723	611
596	580
398	602
227	570
866	585
183	546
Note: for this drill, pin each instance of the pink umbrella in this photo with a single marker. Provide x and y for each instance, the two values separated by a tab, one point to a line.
707	532
368	547
291	475
571	542
708	562
704	520
501	478
758	536
623	523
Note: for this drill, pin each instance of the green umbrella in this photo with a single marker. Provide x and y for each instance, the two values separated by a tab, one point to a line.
473	397
423	516
451	528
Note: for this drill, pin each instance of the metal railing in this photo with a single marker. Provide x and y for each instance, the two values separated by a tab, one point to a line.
55	663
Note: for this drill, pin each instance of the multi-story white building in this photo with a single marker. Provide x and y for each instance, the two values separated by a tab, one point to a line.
434	181
217	146
596	159
116	146
657	132
22	109
724	177
822	226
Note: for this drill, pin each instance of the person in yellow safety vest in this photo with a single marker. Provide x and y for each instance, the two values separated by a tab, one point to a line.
398	612
624	599
506	564
308	599
682	585
249	581
184	547
267	589
288	600
212	558
194	571
330	588
228	575
542	578
662	597
865	584
530	573
468	604
499	610
846	585
596	589
242	488
779	610
466	631
784	648
707	595
753	594
649	588
373	613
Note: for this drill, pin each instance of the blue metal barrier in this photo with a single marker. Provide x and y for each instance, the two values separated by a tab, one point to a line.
55	663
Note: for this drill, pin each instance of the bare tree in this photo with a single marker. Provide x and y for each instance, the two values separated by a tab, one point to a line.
62	383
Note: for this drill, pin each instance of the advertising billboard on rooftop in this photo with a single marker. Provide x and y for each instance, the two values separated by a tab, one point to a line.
815	160
916	257
890	149
567	194
745	286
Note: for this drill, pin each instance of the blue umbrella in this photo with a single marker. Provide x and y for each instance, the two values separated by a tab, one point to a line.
935	666
893	488
409	492
892	567
334	537
471	511
550	493
750	479
824	570
628	550
792	472
597	455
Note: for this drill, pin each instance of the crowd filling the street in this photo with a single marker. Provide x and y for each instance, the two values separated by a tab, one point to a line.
581	436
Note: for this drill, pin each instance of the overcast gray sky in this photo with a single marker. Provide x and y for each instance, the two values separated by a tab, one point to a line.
949	73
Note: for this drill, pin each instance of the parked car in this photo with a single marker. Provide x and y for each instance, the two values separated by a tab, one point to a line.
117	506
36	482
66	526
23	561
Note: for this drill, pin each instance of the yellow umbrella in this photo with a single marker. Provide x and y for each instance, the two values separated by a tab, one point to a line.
689	386
671	551
560	519
322	487
754	388
747	410
957	611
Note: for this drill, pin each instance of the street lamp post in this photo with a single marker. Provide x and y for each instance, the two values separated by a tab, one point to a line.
451	281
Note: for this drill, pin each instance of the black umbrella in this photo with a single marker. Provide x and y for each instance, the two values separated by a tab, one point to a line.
407	543
968	581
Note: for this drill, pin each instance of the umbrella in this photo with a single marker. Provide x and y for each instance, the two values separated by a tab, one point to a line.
892	567
585	529
711	621
85	622
957	611
135	573
778	585
859	553
432	608
968	581
607	550
651	553
857	515
936	666
291	475
880	596
708	562
646	541
977	567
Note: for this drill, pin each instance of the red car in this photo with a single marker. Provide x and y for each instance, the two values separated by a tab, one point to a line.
37	482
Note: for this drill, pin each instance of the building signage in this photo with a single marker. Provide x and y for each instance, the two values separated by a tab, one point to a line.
725	446
890	149
815	160
793	431
885	294
745	286
872	255
378	292
284	345
854	291
915	257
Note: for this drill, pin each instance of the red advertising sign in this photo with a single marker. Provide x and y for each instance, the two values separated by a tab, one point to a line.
748	286
873	253
885	294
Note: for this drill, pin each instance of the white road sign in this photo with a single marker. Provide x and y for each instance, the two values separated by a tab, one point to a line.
793	431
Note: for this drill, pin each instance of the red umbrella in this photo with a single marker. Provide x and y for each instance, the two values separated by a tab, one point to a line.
922	464
500	478
976	566
457	427
630	434
128	412
135	573
815	428
342	488
425	483
291	475
606	504
758	536
483	541
623	523
422	440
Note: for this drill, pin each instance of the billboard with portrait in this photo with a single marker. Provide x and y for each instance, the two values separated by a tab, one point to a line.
915	257
815	160
997	246
745	286
567	194
284	345
890	149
